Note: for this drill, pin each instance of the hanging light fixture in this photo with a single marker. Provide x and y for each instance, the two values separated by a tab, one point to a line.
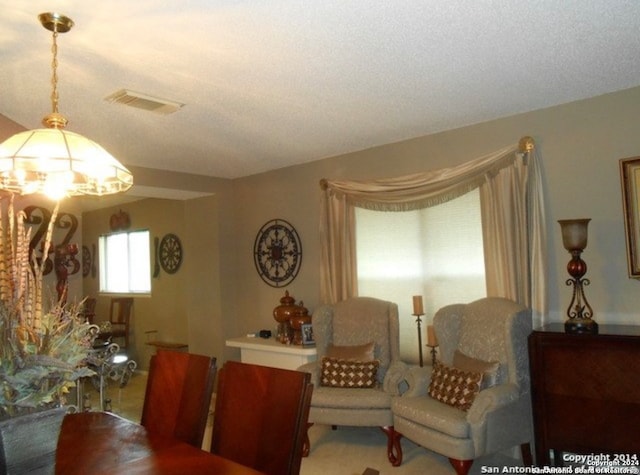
52	160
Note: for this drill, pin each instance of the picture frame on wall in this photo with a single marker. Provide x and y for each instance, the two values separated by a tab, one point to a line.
307	334
630	183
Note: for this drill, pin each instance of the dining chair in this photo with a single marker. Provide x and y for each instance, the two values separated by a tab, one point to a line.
178	395
120	317
89	310
260	417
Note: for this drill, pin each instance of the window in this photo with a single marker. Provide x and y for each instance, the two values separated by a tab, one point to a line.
436	252
125	265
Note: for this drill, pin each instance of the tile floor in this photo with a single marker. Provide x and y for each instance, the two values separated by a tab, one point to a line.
126	402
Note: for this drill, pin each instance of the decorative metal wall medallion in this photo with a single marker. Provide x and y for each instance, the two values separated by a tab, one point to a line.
170	253
277	253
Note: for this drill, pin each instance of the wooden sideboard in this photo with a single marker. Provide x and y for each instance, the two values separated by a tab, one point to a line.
585	390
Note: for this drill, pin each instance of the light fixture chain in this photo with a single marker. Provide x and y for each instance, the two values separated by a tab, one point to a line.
67	164
54	75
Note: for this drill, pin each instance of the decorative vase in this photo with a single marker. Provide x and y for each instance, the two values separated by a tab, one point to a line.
119	221
282	314
28	442
300	318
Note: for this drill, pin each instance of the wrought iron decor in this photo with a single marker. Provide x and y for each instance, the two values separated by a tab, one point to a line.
64	261
170	253
40	217
108	364
86	261
156	251
277	253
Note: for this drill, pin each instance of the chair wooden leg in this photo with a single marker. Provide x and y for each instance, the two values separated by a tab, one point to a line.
461	466
557	458
394	447
306	444
525	450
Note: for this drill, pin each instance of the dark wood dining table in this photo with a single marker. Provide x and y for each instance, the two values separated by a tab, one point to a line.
104	443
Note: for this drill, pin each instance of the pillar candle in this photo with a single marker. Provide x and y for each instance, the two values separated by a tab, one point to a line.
431	336
417	305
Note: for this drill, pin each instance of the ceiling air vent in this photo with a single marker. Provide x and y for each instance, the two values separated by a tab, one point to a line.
143	101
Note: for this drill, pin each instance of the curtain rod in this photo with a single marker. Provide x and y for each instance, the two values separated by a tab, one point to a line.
525	144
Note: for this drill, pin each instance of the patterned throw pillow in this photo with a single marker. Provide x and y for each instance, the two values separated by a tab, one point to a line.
454	387
338	373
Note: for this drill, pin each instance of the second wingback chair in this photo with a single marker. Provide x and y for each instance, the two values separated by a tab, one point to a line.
488	337
358	366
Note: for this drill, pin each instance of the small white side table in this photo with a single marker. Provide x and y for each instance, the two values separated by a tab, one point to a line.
269	352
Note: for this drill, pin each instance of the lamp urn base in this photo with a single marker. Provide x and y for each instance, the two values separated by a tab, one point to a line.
581	325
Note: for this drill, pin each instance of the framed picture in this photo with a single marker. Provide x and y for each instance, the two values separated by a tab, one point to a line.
307	334
630	181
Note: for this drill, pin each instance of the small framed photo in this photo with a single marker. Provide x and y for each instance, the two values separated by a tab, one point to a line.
307	334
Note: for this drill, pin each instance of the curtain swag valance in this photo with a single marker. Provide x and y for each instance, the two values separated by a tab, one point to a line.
421	190
512	211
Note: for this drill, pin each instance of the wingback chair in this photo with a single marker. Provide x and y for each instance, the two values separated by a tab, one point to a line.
488	337
341	331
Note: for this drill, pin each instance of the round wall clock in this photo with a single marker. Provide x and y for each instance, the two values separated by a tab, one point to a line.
170	253
277	253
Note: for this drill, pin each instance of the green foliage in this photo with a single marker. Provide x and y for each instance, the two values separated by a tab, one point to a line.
42	353
37	367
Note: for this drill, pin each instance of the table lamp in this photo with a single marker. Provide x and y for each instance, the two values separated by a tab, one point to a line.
579	312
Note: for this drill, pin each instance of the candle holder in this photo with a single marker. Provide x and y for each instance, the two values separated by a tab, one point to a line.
419	323
433	354
432	342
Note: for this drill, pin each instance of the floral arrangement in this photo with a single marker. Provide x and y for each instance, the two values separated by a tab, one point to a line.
42	352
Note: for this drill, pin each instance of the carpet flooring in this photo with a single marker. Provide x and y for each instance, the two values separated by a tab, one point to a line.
351	450
344	451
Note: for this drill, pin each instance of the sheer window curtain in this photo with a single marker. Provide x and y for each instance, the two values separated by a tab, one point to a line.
512	215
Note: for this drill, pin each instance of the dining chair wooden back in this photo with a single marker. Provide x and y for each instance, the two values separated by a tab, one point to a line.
120	318
178	395
89	310
260	417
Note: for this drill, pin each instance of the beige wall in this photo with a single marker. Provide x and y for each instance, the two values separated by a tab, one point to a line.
579	145
163	312
223	296
187	306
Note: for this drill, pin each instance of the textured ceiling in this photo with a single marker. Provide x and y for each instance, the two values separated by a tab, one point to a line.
271	83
